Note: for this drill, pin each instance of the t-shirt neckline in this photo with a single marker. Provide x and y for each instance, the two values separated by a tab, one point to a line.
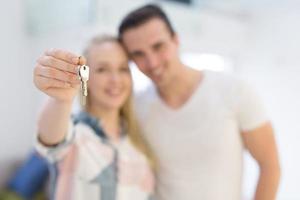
196	92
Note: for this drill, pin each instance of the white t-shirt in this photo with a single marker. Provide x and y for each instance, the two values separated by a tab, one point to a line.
199	146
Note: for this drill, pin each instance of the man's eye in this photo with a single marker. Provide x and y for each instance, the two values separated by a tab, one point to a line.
158	47
124	69
137	55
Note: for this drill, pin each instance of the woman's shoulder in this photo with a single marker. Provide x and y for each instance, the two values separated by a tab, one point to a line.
84	121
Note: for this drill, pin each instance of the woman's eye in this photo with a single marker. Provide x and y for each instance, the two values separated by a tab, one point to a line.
101	69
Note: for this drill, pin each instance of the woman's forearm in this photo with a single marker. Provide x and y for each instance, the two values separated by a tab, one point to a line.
53	121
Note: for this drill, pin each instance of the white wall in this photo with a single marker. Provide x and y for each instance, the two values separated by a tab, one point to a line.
18	101
263	43
271	63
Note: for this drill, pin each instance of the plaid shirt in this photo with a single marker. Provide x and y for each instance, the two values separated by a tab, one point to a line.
87	166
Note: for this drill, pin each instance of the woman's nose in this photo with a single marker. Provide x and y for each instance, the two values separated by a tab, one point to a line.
115	76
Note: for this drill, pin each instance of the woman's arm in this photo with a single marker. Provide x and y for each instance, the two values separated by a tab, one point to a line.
55	74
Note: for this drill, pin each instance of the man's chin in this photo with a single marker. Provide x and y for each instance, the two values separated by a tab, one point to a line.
159	83
156	79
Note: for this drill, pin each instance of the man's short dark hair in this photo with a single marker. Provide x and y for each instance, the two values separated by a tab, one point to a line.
142	15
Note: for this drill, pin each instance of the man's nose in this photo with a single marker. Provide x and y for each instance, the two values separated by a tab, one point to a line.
152	60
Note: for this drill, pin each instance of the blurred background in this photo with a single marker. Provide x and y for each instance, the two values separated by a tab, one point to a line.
257	40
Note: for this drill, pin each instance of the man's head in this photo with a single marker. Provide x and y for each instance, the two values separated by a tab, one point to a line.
141	16
151	43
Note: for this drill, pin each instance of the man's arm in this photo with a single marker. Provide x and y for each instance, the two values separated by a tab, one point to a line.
262	146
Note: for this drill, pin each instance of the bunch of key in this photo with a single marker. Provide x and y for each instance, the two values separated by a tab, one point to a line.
83	73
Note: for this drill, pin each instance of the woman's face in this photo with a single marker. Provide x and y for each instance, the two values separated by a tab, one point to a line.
110	80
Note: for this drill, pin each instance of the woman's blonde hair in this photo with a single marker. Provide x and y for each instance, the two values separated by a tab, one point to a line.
126	112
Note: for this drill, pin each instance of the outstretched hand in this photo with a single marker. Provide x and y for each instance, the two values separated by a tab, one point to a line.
56	74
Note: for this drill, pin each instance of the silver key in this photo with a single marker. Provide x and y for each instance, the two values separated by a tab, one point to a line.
83	73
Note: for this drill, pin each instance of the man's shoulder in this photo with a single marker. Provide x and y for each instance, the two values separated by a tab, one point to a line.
221	76
227	87
222	80
145	95
230	82
144	101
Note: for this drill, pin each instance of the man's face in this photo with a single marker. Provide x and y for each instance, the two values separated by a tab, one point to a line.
154	50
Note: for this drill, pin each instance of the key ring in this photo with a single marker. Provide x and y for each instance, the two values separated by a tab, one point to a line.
78	67
79	60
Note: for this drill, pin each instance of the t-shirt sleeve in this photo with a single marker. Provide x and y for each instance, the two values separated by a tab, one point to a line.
250	109
57	152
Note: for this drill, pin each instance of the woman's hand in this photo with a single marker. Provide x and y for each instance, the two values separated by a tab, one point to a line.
55	74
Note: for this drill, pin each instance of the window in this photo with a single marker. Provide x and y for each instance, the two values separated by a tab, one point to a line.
200	61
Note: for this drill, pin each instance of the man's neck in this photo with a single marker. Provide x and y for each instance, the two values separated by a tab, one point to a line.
181	87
